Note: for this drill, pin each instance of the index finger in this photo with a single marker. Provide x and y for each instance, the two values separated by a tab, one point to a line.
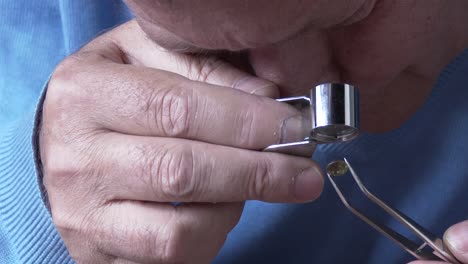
149	102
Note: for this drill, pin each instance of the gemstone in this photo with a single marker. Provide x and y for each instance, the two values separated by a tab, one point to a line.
337	168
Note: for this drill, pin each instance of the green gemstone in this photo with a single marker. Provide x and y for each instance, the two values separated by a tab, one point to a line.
337	168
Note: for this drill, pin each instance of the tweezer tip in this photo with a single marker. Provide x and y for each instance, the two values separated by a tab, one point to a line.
347	162
351	170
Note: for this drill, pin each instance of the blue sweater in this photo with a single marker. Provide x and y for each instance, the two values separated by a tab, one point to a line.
420	168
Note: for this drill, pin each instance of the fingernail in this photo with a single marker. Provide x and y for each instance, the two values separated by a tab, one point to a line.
308	184
292	130
457	238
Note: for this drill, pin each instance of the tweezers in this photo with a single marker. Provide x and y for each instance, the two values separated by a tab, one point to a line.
432	248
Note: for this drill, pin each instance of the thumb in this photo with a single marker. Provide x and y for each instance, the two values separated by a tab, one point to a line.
456	238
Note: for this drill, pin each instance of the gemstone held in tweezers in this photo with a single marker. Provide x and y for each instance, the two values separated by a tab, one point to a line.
337	168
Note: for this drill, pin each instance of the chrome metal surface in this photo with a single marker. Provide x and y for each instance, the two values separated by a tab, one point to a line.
330	114
303	148
334	112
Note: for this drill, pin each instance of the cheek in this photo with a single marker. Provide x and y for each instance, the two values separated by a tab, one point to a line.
392	40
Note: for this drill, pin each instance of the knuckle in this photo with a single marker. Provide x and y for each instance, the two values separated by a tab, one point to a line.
64	70
246	126
165	244
66	76
77	235
61	82
171	109
68	110
245	135
68	169
172	245
203	68
147	241
174	170
57	165
70	223
64	99
71	77
260	180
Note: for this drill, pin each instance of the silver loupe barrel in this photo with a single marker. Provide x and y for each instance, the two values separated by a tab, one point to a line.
334	112
330	114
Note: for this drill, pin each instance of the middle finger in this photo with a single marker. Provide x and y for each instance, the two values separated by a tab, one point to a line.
169	170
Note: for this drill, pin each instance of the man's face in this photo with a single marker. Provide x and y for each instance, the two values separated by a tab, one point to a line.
239	24
388	48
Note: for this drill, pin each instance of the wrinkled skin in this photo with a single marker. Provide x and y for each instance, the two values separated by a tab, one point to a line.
156	112
393	51
129	128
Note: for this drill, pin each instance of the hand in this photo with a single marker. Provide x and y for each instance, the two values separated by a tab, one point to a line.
456	239
129	127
